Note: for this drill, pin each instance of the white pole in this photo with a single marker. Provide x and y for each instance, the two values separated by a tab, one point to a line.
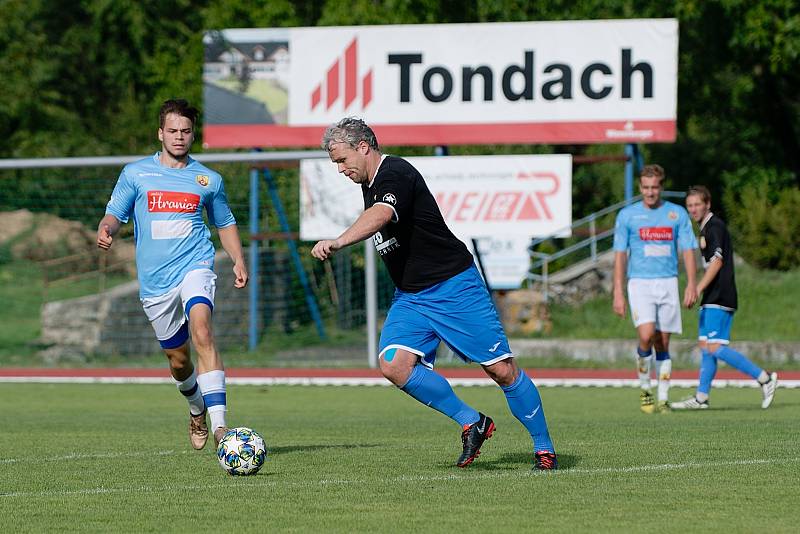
371	284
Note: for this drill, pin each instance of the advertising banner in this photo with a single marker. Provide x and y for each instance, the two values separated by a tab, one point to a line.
502	201
599	81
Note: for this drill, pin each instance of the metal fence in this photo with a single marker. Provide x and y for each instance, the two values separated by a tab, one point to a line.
294	306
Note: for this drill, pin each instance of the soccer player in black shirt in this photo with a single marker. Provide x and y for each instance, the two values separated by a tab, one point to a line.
718	305
439	294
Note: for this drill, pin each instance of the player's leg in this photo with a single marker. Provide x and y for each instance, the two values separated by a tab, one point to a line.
463	315
525	404
663	370
642	301
668	321
719	347
166	317
197	294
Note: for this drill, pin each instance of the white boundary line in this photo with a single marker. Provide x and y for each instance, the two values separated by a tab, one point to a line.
241	483
379	381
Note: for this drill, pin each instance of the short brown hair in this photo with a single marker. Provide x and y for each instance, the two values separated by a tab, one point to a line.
701	191
179	107
653	171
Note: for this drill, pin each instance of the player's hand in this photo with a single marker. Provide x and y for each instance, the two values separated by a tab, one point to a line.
324	249
104	238
240	271
689	296
619	305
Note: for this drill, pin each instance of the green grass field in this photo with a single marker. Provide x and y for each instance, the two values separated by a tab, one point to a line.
116	458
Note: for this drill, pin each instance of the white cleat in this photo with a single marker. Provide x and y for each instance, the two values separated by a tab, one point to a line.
768	390
690	404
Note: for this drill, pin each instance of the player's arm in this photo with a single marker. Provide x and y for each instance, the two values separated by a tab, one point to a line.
229	238
691	292
106	230
711	272
620	264
369	222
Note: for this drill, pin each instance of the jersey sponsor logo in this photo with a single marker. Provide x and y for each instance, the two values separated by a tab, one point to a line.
384	247
655	233
170	229
149	174
389	198
657	251
202	179
172	202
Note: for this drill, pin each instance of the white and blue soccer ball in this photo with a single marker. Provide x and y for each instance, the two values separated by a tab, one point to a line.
241	451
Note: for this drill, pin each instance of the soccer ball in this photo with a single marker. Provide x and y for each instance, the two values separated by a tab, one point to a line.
241	451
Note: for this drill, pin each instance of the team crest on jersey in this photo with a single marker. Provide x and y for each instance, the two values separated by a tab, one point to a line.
389	198
672	216
202	179
702	241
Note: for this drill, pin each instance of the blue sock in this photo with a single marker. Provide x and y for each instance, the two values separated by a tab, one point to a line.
526	405
708	368
738	361
662	355
431	389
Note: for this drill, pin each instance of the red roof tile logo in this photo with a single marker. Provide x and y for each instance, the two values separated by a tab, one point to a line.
342	81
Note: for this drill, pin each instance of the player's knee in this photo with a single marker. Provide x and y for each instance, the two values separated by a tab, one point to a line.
396	366
504	372
202	336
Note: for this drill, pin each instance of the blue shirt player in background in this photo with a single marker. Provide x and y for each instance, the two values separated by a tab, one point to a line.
648	238
166	194
440	295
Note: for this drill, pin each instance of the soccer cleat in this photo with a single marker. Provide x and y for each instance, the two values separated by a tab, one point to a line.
218	433
198	431
473	437
663	407
545	460
646	403
690	404
768	390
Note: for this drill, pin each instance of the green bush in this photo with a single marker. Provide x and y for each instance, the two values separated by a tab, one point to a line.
765	219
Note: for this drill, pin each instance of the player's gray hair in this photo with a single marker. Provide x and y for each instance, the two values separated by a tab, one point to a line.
349	130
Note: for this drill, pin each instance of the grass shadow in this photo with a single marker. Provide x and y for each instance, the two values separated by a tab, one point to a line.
514	460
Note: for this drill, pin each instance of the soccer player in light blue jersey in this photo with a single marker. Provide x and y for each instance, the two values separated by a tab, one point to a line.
166	194
648	238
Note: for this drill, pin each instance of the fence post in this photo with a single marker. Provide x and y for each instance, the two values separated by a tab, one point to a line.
371	283
545	281
253	297
593	234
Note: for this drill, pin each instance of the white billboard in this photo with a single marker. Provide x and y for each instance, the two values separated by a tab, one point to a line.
502	201
524	82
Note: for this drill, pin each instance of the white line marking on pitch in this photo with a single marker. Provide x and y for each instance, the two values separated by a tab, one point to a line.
403	478
88	456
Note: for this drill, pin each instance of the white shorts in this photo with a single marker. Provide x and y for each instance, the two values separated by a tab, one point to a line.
167	312
655	300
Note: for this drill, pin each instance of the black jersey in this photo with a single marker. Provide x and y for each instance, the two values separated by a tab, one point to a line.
715	241
418	248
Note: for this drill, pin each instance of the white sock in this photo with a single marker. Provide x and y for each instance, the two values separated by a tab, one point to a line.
212	384
644	371
192	392
763	378
701	397
663	372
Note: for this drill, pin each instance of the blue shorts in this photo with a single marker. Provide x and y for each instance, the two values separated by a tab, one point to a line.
715	325
458	311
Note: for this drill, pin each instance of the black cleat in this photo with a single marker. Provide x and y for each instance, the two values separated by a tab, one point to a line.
544	460
473	437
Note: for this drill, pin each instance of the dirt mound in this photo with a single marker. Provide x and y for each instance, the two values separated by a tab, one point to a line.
42	236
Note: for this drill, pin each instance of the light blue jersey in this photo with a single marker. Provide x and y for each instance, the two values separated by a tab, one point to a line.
167	207
654	238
